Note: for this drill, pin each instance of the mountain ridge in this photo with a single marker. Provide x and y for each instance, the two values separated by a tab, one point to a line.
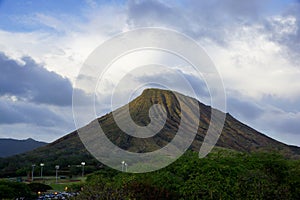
10	146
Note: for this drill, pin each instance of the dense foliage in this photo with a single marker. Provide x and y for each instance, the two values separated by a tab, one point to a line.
13	190
39	187
221	175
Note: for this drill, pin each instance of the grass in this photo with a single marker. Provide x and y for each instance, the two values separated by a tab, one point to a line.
63	183
60	187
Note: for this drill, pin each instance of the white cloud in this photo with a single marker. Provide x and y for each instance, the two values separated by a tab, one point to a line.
254	65
284	25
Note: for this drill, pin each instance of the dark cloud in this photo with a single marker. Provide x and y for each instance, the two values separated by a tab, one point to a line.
198	85
213	19
147	13
244	109
230	9
283	115
271	114
32	82
34	96
285	104
288	125
21	112
293	40
220	20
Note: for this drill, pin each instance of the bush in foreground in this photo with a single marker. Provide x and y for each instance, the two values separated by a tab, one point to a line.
13	190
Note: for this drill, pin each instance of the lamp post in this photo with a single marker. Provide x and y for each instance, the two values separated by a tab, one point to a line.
56	171
82	164
126	167
42	165
32	171
123	163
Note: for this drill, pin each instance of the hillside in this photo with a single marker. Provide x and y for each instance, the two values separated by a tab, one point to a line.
9	147
69	150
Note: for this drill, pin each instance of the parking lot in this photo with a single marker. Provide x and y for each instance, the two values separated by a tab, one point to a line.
57	195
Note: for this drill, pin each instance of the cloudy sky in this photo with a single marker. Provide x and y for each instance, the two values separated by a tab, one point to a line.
255	46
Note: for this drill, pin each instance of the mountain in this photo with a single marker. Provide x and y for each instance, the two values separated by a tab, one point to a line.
9	147
235	135
69	149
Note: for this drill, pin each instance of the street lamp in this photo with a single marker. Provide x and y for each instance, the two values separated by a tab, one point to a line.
56	171
42	165
32	171
125	167
82	164
123	163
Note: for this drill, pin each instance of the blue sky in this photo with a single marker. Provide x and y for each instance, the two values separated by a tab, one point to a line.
254	45
15	15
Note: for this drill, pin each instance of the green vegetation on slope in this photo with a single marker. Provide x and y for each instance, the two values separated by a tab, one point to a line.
221	175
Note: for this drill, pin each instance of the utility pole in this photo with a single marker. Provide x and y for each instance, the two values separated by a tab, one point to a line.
42	165
32	173
126	167
56	171
82	164
123	163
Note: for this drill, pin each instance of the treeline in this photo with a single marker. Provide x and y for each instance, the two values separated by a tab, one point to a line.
221	175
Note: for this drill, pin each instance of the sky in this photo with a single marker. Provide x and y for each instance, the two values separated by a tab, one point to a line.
255	45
